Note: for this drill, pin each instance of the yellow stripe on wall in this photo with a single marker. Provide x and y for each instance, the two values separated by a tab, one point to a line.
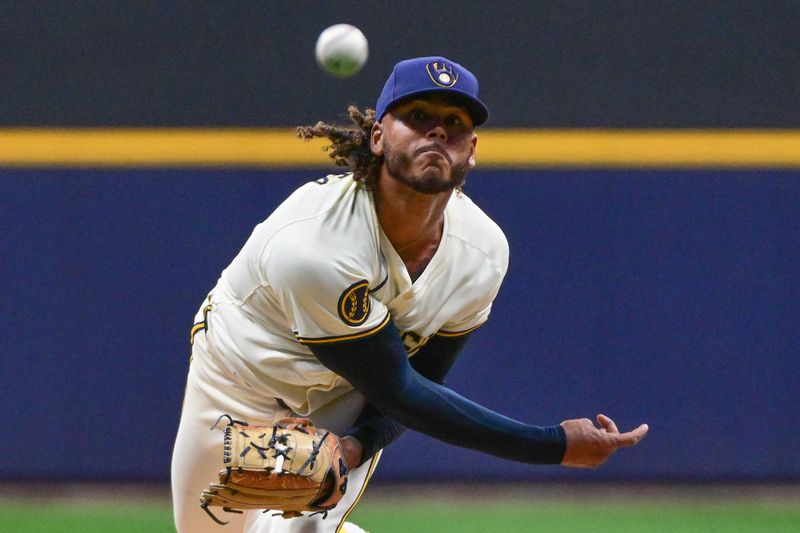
167	147
640	148
157	147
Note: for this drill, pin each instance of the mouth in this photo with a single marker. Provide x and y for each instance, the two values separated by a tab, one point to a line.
433	149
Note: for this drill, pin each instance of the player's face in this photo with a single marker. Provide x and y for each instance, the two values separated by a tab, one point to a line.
428	144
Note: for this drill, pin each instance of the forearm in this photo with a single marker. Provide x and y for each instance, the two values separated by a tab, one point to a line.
379	369
373	429
447	416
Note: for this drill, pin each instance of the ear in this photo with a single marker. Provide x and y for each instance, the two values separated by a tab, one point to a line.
473	143
376	139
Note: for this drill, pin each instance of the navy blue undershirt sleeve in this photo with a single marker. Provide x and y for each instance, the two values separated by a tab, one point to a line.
374	429
378	367
436	357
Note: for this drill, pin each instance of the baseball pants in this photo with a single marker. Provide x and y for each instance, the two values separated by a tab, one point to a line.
211	391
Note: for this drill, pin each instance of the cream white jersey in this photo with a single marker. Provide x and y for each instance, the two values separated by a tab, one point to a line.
320	270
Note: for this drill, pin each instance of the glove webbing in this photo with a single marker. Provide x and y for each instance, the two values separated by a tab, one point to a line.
314	452
271	445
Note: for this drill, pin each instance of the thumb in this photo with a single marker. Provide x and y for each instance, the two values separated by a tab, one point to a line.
607	424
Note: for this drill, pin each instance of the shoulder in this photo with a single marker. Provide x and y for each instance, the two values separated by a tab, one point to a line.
324	212
317	198
326	226
471	226
322	230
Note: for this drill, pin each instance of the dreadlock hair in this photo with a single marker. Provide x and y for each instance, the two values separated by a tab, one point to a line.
349	144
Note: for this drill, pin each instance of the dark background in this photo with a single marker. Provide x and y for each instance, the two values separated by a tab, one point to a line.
661	296
654	64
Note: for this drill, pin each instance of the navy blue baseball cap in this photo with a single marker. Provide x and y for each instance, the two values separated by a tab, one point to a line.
434	74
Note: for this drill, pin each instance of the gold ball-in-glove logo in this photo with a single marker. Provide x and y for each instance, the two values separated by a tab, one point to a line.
354	304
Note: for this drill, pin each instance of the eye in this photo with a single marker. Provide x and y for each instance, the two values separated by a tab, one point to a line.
453	120
416	115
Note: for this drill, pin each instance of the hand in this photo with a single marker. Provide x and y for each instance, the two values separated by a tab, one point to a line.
352	451
589	446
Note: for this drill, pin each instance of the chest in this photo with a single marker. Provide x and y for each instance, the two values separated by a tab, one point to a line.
419	308
416	261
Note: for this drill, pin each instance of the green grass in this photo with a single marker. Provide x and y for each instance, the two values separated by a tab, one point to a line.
85	518
568	518
439	517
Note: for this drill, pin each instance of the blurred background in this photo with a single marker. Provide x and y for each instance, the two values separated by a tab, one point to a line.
643	159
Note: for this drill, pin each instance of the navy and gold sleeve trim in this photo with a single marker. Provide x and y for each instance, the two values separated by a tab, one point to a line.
339	338
443	333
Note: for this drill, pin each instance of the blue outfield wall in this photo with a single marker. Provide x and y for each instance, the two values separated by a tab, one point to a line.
667	297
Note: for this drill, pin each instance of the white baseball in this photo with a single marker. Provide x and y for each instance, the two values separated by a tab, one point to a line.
342	50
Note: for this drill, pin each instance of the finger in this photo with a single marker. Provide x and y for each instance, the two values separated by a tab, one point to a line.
607	424
632	437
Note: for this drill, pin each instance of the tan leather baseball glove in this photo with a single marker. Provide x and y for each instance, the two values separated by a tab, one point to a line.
292	467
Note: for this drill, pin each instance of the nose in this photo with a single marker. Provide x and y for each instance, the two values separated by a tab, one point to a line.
437	132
